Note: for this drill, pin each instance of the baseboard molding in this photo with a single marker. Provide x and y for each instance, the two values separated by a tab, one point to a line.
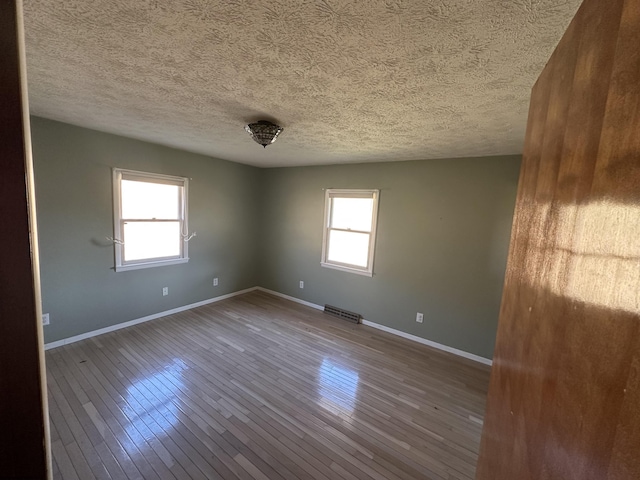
293	299
408	336
424	341
113	328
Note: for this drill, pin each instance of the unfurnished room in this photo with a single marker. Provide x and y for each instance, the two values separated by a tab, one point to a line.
320	239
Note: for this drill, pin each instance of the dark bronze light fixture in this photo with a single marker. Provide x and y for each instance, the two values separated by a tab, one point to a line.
263	132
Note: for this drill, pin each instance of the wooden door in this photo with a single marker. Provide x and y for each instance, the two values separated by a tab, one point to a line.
564	399
23	413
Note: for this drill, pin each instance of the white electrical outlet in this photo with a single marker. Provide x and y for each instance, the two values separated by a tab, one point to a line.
419	317
165	291
301	284
215	282
45	319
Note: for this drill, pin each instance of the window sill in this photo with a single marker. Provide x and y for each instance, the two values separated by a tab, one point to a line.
160	263
365	273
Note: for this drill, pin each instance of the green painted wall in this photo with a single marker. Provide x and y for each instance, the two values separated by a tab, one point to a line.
80	289
443	236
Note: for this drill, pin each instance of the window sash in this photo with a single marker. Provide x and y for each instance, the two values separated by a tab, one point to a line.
333	213
347	264
179	207
349	230
181	244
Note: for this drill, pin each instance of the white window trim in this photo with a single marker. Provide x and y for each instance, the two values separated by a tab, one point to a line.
120	265
353	193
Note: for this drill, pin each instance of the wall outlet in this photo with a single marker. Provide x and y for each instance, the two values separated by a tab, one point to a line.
215	282
301	284
45	319
165	291
419	317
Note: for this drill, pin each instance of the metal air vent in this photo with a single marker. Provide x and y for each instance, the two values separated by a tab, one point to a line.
339	312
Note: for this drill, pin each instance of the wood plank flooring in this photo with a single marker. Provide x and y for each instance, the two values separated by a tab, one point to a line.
257	387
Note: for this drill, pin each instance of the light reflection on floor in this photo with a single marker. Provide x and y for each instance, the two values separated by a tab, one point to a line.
144	405
337	387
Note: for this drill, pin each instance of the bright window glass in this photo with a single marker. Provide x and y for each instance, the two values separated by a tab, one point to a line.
145	240
150	200
348	248
352	213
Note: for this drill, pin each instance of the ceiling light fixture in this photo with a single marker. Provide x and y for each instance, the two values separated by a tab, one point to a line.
263	132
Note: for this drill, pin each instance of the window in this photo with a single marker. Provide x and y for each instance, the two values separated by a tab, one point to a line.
150	219
350	230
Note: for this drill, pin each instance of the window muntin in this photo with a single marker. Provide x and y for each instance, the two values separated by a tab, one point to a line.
350	230
150	219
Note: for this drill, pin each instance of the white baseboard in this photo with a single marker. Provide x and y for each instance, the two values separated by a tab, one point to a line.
399	333
112	328
424	341
293	299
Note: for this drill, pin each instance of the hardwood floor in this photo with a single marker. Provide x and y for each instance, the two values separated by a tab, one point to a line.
257	387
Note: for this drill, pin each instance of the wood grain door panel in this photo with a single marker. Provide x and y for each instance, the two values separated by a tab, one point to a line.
564	399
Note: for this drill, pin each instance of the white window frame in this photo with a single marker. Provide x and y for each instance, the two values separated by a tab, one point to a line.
350	193
118	222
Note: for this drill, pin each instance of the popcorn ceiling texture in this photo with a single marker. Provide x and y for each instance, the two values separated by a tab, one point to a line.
349	80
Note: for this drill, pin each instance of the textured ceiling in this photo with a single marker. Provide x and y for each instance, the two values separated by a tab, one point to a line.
349	80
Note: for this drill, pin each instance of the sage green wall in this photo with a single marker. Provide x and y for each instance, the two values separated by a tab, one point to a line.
441	249
80	289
